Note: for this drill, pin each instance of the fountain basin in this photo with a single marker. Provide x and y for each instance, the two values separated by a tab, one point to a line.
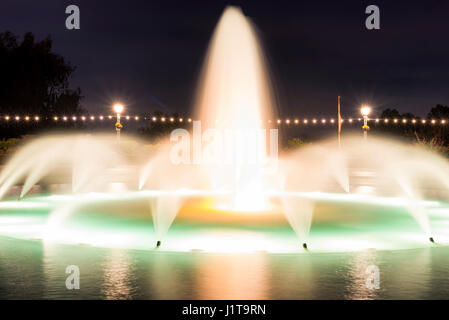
341	223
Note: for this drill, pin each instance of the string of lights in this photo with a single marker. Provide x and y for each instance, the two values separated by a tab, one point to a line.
288	121
89	118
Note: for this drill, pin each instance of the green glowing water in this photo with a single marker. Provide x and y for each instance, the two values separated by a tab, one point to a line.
341	223
113	244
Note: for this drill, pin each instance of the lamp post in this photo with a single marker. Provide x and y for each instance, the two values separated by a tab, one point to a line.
118	108
365	110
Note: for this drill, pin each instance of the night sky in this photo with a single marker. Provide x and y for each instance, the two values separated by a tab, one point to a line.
148	54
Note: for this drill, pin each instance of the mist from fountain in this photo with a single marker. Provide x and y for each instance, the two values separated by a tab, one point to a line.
387	167
87	159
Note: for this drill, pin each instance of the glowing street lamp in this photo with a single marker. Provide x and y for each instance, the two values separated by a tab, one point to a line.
365	111
118	108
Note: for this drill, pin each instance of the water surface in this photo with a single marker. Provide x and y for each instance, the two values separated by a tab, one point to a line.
34	270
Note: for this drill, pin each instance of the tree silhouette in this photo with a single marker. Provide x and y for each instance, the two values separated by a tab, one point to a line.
439	112
400	129
390	114
439	132
34	81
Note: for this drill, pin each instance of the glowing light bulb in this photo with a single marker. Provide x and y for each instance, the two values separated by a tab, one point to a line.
365	110
118	108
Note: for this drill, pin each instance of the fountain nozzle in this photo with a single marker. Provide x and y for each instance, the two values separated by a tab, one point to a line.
304	245
431	240
158	243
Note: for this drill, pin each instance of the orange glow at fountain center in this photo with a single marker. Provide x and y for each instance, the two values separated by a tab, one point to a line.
212	210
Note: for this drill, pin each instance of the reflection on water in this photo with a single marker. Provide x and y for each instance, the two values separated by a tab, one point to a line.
118	276
170	276
358	274
237	276
28	269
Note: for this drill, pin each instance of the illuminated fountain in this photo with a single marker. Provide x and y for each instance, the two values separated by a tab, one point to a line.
220	186
235	82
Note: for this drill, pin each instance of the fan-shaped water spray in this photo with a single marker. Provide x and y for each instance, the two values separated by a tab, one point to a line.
87	159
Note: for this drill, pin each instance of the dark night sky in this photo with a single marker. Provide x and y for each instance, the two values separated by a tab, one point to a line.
149	53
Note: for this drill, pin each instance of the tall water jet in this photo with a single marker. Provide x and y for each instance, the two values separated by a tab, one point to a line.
234	88
235	95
